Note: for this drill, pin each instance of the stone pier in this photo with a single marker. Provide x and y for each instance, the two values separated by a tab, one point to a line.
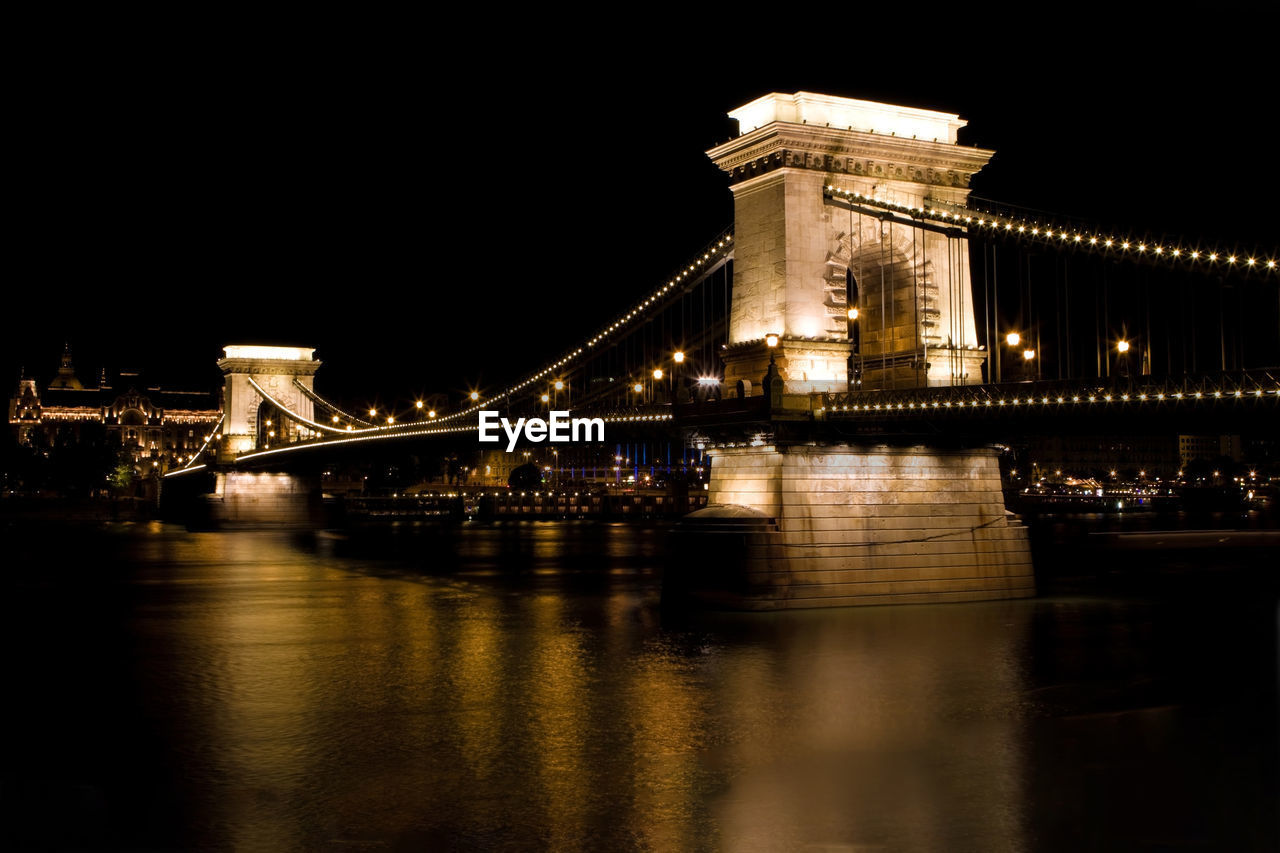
265	499
830	526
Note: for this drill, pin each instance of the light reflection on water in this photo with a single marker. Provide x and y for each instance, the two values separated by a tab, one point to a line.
517	687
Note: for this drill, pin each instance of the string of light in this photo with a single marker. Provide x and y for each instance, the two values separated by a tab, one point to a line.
691	270
408	432
1052	234
1031	401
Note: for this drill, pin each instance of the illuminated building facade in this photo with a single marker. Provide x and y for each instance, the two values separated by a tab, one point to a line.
156	427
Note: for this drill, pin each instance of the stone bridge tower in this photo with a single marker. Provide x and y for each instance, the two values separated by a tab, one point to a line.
803	258
819	518
274	369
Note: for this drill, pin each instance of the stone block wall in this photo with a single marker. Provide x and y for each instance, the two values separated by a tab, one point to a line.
874	525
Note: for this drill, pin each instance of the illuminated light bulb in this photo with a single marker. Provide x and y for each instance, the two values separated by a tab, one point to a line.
1122	346
391	420
1231	259
1022	229
1177	253
1028	354
771	340
1093	241
853	313
678	357
430	414
637	387
1195	255
559	386
1271	265
1008	226
1077	238
546	397
373	413
1037	231
1251	261
335	419
1107	242
475	395
1013	339
1124	245
1213	256
1142	247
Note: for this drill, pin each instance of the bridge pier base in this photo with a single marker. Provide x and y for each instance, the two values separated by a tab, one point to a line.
811	526
265	499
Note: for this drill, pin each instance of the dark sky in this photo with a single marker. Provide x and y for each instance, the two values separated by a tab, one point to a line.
435	208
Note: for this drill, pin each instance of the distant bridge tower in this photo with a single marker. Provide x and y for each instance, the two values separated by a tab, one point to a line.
802	259
274	369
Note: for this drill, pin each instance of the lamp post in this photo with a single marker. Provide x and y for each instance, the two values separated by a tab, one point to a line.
855	349
1011	340
677	358
1122	348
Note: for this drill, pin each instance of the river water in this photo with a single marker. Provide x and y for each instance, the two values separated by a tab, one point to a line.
516	686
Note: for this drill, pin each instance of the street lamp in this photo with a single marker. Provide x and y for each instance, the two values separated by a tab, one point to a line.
1013	339
475	395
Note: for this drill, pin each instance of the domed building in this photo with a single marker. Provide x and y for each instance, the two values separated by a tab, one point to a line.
158	427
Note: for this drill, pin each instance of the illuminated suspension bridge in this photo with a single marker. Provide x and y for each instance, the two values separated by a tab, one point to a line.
1109	322
850	355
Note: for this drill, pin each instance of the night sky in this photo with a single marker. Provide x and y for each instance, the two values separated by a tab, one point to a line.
432	220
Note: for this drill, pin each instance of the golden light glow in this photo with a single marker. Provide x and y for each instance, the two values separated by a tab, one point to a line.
678	357
418	404
771	340
637	387
1013	339
431	414
1028	354
657	373
373	413
475	395
559	386
546	398
1122	346
853	313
